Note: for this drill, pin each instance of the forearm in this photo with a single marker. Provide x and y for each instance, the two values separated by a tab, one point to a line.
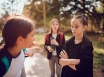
69	61
72	66
74	61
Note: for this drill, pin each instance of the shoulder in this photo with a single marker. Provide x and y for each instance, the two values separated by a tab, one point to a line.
69	41
86	41
2	69
48	34
87	44
61	33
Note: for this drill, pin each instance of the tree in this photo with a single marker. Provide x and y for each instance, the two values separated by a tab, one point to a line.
8	6
35	10
84	6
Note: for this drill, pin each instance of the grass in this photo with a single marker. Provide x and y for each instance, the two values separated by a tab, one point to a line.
98	43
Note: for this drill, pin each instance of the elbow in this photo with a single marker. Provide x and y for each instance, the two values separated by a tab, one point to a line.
77	61
60	62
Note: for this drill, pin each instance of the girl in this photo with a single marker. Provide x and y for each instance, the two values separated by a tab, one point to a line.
77	59
18	33
54	43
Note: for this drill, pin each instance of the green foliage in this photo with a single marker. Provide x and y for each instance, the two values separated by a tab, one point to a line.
98	60
100	44
64	10
1	25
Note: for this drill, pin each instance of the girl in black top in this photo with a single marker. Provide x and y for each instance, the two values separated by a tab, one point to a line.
77	58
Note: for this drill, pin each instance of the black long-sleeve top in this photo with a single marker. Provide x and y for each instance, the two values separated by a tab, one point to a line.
82	51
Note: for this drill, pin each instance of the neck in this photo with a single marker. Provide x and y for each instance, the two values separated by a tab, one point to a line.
14	51
54	32
79	37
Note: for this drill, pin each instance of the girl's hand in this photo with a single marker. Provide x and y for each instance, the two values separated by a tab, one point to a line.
64	54
35	44
53	41
29	53
49	49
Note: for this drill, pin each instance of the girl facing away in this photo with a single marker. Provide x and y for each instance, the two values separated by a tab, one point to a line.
18	33
54	43
77	58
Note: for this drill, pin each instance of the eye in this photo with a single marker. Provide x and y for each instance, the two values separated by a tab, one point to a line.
76	26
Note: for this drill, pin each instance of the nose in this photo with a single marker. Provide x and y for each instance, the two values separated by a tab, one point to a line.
73	29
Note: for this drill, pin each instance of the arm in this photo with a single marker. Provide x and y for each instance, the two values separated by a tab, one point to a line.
27	52
61	45
2	69
65	61
47	43
86	60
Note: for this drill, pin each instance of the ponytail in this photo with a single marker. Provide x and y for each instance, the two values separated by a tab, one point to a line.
3	51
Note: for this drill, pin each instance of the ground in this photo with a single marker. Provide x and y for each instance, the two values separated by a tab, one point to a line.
37	66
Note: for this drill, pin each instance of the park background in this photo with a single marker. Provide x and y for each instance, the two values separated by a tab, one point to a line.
42	11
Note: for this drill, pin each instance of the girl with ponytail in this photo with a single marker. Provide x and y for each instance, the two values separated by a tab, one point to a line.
77	58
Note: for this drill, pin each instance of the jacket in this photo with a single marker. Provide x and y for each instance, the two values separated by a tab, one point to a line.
85	67
58	48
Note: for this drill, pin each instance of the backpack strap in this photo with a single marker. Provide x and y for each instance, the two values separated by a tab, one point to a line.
61	37
6	63
47	38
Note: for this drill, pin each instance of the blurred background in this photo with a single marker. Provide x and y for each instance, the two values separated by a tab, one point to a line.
42	11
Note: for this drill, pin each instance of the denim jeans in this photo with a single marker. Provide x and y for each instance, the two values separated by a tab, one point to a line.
53	63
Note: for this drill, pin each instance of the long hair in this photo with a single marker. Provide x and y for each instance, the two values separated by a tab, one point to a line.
54	19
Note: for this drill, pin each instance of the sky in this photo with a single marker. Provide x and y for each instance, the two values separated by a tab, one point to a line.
19	7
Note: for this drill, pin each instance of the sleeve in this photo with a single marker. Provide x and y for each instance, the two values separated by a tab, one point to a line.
46	41
2	69
86	60
62	45
24	50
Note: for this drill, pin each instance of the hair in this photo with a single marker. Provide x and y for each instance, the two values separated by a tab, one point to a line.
83	17
14	27
54	19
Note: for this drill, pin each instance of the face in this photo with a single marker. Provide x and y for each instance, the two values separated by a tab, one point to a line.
55	25
28	41
77	27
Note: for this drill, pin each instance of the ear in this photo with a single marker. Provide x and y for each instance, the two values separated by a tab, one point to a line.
20	40
85	27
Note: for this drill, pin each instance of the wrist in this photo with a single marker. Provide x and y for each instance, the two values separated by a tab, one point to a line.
57	44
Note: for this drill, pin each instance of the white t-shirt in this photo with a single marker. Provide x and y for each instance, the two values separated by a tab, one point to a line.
54	52
18	64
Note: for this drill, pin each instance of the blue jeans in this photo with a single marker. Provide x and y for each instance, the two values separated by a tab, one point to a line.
52	62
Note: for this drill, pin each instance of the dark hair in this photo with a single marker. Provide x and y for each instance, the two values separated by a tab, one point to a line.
83	17
54	19
14	27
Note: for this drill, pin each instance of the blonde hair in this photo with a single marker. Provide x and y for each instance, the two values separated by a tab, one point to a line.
54	19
